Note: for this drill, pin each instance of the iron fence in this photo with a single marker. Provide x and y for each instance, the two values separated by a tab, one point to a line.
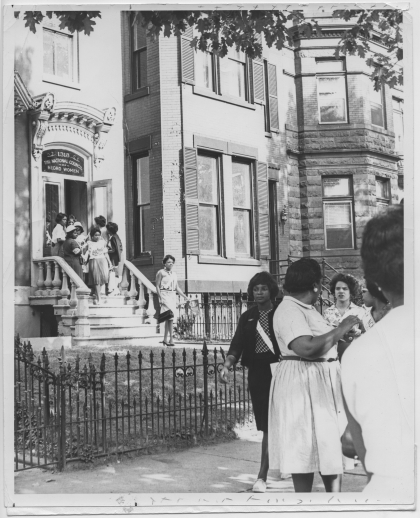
124	404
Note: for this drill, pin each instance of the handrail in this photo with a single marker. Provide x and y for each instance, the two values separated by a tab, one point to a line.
80	285
329	266
137	273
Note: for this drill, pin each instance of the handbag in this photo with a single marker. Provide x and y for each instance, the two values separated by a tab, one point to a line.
166	315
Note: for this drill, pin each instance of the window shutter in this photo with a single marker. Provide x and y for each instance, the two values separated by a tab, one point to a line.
191	201
273	101
187	57
263	213
258	76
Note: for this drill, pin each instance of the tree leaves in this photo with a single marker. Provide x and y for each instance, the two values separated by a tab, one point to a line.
73	21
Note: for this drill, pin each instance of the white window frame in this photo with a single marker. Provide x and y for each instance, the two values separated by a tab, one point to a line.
333	74
343	202
243	63
51	78
217	205
250	210
383	202
371	103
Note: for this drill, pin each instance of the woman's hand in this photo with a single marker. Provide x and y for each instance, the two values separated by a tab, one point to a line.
348	323
76	251
223	375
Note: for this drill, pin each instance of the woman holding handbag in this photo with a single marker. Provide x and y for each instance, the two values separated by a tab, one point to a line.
167	288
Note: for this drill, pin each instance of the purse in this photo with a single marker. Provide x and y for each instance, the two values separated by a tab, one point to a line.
166	315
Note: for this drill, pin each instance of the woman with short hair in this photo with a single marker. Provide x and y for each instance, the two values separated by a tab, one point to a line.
378	370
306	416
376	305
256	346
59	234
167	288
99	263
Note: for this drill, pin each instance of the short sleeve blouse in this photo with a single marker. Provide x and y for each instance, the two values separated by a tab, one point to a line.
292	319
58	233
97	249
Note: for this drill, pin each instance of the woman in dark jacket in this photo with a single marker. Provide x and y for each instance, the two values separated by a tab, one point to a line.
255	343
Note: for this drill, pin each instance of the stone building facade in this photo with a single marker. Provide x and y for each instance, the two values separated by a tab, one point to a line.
320	149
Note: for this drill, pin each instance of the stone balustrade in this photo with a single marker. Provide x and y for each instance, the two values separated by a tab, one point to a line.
130	278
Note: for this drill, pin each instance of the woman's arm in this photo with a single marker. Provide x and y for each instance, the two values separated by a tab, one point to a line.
312	347
229	362
179	291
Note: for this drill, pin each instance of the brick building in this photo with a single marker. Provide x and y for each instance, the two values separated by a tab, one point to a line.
233	165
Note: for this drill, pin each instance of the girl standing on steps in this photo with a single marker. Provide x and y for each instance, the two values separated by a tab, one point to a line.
99	262
256	344
167	288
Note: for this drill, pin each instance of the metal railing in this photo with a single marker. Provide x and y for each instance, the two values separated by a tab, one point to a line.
126	403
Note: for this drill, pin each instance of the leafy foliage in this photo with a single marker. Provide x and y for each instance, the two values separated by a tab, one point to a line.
73	21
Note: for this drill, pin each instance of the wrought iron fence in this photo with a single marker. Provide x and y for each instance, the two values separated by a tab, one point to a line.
212	317
124	404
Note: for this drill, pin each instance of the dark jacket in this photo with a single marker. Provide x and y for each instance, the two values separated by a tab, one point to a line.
243	343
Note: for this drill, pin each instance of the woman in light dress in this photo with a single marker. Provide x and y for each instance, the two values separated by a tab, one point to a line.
99	262
59	234
82	239
167	288
345	288
306	416
378	371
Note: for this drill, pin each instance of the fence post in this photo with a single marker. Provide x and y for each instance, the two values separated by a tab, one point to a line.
205	353
62	417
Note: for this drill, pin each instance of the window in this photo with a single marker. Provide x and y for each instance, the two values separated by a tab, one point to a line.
397	107
59	54
383	195
141	191
376	107
208	198
204	73
338	213
233	74
139	56
332	94
242	208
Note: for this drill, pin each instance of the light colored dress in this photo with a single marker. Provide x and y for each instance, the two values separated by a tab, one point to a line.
167	286
98	264
306	416
378	386
334	317
82	240
58	233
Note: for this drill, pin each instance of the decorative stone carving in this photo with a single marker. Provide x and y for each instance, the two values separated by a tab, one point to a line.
41	117
101	136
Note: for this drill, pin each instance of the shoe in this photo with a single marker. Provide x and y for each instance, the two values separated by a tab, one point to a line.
170	344
285	476
259	486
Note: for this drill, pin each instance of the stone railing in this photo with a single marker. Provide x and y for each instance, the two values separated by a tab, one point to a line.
56	279
128	290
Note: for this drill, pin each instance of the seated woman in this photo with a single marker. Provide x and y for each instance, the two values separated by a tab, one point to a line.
256	345
306	416
72	250
378	370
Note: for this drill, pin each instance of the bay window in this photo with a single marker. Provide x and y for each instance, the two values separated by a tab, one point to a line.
332	91
383	194
338	213
377	107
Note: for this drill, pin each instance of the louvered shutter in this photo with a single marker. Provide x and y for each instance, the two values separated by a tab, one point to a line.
191	201
187	57
273	101
258	77
263	213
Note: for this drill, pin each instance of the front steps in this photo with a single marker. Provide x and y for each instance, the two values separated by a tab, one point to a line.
114	322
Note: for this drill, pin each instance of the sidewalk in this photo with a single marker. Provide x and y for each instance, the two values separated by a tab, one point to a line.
222	468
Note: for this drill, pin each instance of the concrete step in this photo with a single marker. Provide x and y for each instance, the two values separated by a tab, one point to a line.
128	320
111	331
114	310
101	341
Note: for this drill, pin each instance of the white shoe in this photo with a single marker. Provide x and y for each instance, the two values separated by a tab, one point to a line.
259	486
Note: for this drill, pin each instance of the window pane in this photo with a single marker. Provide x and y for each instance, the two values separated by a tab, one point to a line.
145	228
204	69
139	35
338	225
377	115
382	189
332	99
232	76
143	181
399	131
141	68
336	186
48	52
241	184
242	235
208	229
63	55
236	54
207	179
333	65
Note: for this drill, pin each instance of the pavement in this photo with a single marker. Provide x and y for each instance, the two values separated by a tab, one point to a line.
229	467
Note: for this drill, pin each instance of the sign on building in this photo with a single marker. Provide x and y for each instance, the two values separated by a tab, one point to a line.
62	161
